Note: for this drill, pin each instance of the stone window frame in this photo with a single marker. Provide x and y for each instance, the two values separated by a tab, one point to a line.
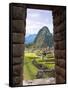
17	34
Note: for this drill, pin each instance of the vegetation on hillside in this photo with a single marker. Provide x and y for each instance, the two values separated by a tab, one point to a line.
39	61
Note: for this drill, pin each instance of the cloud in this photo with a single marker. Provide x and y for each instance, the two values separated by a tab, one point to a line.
34	15
36	19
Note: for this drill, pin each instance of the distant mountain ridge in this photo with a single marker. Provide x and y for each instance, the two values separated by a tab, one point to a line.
44	38
30	38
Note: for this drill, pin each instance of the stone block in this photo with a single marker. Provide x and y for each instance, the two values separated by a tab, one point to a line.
60	71
17	70
18	49
17	81
60	54
60	79
18	38
61	45
18	26
61	62
17	60
60	36
18	12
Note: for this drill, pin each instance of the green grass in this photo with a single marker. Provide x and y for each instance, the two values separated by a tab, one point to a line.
49	56
30	55
30	70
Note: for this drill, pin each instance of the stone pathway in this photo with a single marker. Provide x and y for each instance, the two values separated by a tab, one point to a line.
39	81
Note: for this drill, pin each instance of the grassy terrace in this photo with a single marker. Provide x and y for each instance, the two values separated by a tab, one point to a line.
31	70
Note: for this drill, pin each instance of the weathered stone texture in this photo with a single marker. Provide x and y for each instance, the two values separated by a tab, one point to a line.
18	12
17	60
18	38
18	49
59	20
17	70
18	26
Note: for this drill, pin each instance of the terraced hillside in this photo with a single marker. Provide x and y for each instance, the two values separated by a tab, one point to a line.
36	66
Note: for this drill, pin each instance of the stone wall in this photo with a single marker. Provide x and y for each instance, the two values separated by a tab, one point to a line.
59	18
17	34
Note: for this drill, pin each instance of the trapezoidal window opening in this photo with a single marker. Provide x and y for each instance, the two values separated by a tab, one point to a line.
39	60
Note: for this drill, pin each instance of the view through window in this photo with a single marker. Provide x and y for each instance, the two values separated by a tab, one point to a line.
39	60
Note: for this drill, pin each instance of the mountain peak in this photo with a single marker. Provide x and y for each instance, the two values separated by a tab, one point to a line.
44	38
44	29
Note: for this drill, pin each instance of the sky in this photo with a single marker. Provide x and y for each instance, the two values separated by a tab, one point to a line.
36	19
